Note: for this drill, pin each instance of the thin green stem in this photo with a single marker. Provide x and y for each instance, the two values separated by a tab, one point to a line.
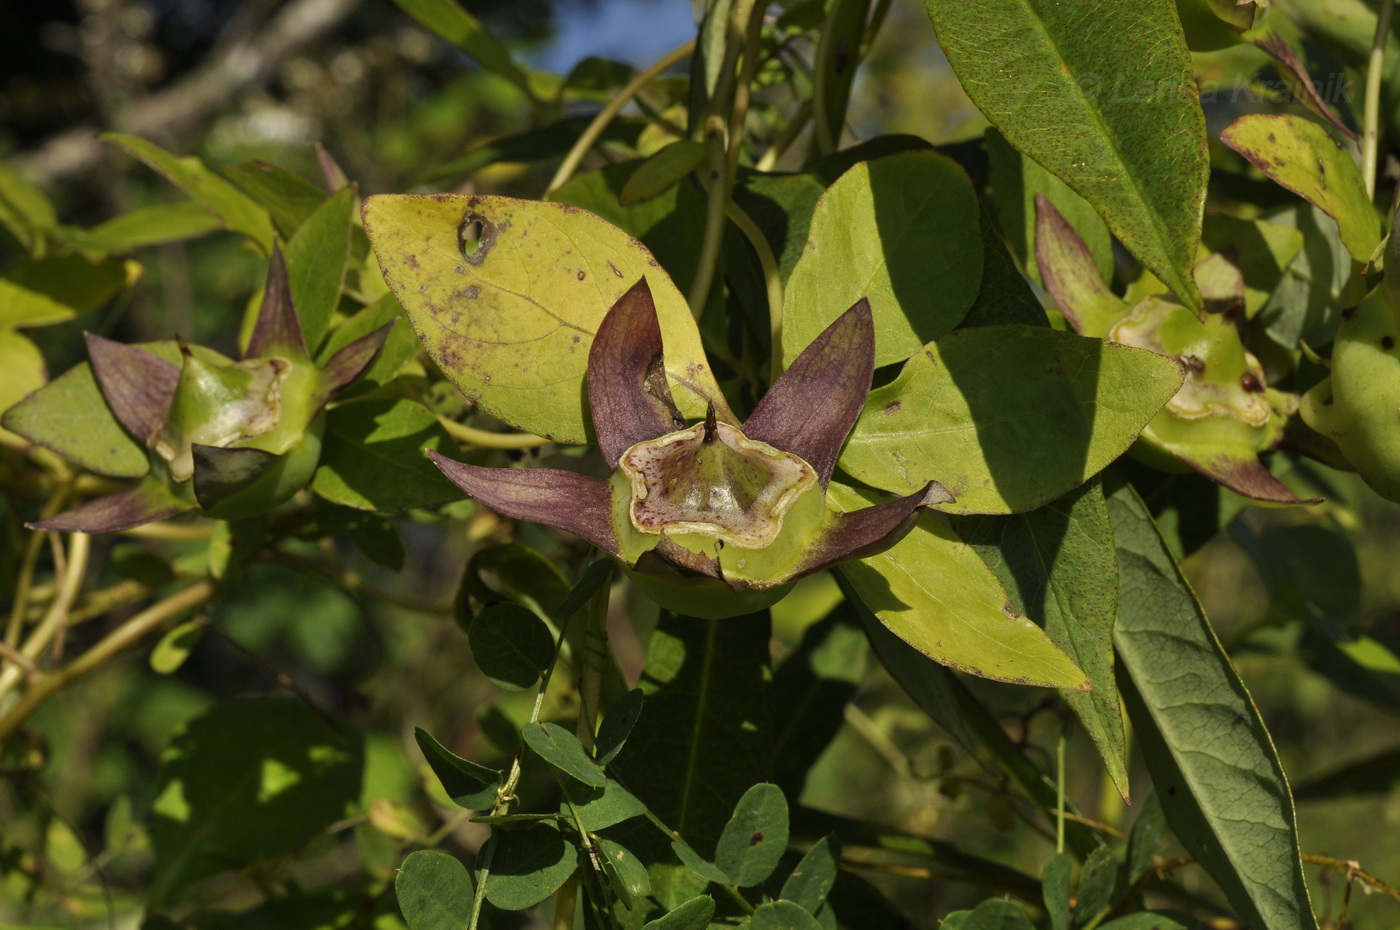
24	584
595	657
119	640
1375	76
56	618
789	135
489	440
609	112
717	190
1060	794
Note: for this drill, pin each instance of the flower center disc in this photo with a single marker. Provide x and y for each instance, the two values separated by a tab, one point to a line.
713	480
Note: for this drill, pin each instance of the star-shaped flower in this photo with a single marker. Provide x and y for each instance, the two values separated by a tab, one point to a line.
711	519
233	439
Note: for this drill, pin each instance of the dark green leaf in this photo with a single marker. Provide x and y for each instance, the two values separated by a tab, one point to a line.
697	864
662	171
626	875
468	785
589	584
1152	920
810	691
1114	112
149	226
1096	883
372	457
244	782
51	290
694	914
435	891
549	141
288	198
513	572
600	808
1003	297
755	837
25	211
561	749
1220	783
782	915
511	646
316	258
918	259
996	914
815	875
238	212
447	19
713	675
529	865
1055	890
617	725
1058	565
1148	830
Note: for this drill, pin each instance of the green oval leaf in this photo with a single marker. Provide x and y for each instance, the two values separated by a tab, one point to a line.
617	725
1212	760
372	457
600	808
782	915
561	749
316	258
626	875
755	837
510	315
468	784
529	865
511	645
932	591
1007	417
1103	98
175	646
237	210
662	171
815	875
902	231
694	914
435	891
1304	157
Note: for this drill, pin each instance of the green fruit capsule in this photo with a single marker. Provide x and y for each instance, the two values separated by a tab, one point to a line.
1358	405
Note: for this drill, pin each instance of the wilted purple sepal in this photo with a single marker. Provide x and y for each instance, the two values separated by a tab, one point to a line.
813	405
574	503
137	384
147	502
858	534
333	177
220	473
627	389
1070	274
350	362
1247	477
278	330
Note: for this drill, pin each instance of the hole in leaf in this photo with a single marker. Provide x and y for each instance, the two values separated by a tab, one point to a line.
475	237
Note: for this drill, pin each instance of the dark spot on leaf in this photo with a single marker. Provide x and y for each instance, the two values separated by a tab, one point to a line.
1250	383
756	839
893	407
475	237
581	275
1273	138
1321	174
472	292
1194	363
569	208
1387	342
614	269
